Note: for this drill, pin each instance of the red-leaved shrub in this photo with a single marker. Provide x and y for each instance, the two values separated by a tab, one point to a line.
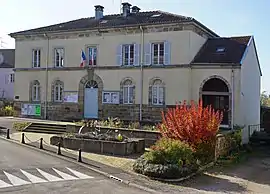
193	124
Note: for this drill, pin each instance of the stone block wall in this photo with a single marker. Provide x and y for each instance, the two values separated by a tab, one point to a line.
74	111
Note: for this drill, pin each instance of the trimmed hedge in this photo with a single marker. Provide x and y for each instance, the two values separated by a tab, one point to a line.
168	171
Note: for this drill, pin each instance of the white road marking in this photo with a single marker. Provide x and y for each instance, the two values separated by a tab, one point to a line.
33	178
16	181
65	175
79	174
4	184
49	177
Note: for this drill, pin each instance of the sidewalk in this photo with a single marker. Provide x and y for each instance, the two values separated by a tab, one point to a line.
108	164
19	119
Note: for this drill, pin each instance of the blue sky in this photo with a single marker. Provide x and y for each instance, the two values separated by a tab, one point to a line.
226	18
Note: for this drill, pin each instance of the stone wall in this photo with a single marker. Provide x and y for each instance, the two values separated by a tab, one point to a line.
99	146
74	111
223	145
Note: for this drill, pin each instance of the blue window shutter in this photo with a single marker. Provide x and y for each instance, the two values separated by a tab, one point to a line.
136	54
119	58
167	53
147	54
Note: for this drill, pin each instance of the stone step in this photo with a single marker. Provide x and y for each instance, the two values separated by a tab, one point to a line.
46	128
44	131
48	125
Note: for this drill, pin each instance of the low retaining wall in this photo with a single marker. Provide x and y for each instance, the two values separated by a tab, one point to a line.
99	146
223	145
150	137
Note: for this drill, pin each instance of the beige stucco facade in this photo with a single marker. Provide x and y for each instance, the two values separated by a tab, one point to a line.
181	80
184	47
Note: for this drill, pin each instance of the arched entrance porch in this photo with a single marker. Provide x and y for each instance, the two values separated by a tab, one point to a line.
215	91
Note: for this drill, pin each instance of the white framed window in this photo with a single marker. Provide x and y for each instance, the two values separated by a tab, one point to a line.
128	54
11	78
59	57
58	92
36	92
110	97
158	93
36	54
128	92
157	53
92	55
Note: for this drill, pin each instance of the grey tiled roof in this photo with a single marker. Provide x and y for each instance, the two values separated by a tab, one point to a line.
115	20
9	58
234	48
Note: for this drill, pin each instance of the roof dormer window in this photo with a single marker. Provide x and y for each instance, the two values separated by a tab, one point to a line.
220	49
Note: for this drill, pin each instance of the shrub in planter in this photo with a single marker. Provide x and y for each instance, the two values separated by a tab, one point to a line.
169	151
196	125
193	124
168	158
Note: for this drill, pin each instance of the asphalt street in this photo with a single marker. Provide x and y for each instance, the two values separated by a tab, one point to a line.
24	170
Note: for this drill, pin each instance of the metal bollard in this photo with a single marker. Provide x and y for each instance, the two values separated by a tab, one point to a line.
59	149
80	156
8	137
23	142
41	143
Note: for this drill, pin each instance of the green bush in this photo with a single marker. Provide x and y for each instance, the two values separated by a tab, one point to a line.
7	111
169	151
150	128
168	171
112	122
205	152
19	126
134	125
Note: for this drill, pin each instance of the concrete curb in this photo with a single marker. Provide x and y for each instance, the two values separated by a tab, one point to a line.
107	175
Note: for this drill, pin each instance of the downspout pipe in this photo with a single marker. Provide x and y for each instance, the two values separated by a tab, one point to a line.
46	76
232	108
141	73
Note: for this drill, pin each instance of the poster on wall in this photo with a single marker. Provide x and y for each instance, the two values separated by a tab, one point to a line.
71	97
31	109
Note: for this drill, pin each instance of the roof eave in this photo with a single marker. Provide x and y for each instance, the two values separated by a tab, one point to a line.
22	33
246	50
215	64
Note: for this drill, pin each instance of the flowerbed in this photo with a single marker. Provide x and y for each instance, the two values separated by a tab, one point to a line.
103	143
188	141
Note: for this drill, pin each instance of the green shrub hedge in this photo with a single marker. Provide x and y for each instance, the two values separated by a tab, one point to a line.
168	158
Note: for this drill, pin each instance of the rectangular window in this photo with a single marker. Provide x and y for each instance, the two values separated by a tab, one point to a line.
158	53
128	94
110	98
36	58
158	95
35	93
92	55
128	54
59	57
58	93
11	78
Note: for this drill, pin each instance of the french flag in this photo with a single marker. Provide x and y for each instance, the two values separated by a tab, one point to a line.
83	59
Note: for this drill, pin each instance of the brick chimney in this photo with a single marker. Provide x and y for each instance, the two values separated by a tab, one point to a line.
99	12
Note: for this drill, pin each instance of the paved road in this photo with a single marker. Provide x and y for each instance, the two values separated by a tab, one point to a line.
24	170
